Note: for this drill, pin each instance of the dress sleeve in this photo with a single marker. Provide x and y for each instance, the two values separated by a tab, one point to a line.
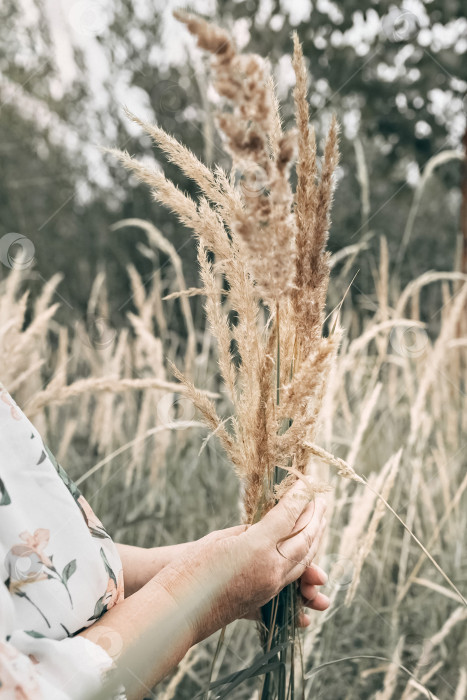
59	572
33	667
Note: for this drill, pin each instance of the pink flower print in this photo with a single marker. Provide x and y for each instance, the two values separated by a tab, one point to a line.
114	593
6	398
95	526
91	517
28	563
36	543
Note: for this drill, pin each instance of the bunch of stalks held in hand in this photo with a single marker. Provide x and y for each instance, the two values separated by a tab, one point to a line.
265	272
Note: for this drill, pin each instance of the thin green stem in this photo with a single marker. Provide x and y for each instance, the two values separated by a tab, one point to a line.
25	595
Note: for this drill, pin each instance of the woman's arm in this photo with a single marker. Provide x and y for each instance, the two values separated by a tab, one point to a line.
224	578
140	565
146	635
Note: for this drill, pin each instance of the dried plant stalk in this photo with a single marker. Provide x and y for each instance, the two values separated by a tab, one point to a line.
269	245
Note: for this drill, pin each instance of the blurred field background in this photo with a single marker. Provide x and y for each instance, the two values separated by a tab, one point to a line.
85	334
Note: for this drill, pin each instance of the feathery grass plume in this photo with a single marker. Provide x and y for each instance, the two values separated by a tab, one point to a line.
312	212
260	152
268	244
111	384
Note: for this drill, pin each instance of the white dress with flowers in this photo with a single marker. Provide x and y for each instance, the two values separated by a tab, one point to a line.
59	572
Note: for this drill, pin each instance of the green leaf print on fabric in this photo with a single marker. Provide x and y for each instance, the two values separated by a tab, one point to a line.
68	570
95	526
114	593
5	499
99	609
108	567
36	635
22	594
71	486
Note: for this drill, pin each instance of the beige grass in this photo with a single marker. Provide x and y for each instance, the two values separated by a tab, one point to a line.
99	405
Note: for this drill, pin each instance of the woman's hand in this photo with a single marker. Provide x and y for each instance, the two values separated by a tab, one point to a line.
243	568
227	575
141	564
312	577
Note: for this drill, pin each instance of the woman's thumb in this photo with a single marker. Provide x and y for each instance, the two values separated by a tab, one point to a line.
280	520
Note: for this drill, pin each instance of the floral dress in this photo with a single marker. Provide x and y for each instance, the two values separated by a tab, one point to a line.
59	572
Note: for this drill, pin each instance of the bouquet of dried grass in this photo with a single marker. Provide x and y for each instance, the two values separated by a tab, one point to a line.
268	245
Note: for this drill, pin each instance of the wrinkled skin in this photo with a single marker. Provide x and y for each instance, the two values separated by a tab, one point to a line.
245	566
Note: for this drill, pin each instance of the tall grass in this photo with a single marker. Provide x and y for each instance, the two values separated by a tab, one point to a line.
403	615
393	410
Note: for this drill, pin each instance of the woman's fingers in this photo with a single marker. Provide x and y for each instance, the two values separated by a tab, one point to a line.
305	517
315	541
319	602
301	547
308	591
314	575
309	538
315	600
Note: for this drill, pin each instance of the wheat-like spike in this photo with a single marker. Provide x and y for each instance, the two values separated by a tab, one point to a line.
313	206
207	409
218	321
343	469
262	154
325	190
61	394
47	293
276	131
219	191
313	202
35	329
263	431
16	323
210	37
306	166
189	292
308	376
303	399
164	190
243	300
201	218
211	228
